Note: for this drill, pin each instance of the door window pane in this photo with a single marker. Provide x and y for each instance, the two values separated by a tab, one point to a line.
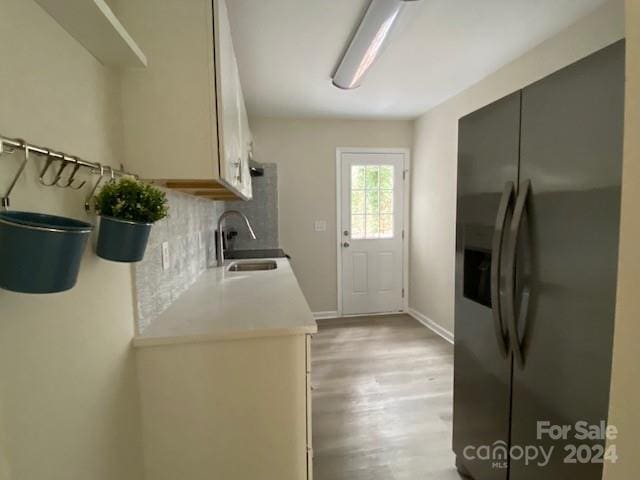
357	226
372	177
357	201
386	177
386	201
357	177
372	209
373	206
386	226
373	226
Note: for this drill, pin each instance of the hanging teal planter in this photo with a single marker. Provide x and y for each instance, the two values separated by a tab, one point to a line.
122	240
40	253
128	209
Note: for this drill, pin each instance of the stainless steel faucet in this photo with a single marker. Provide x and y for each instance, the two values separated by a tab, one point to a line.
219	235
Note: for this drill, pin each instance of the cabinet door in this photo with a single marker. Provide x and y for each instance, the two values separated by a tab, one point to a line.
228	89
246	145
170	106
227	410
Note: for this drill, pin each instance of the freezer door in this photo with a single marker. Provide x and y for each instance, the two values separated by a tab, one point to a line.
571	151
487	162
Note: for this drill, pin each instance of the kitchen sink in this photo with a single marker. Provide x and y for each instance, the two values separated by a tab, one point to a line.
254	254
253	266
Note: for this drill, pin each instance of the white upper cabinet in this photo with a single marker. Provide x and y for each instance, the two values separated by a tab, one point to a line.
232	114
184	113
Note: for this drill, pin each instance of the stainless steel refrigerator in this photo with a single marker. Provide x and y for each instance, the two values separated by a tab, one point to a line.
539	175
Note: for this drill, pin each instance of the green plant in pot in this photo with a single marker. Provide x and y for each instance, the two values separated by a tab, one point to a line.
128	209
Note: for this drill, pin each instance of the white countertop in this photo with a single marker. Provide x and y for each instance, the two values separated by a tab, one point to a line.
225	305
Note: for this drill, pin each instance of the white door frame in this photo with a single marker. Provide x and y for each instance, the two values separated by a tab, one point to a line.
405	217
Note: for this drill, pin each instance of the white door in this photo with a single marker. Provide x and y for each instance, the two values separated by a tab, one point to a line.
371	234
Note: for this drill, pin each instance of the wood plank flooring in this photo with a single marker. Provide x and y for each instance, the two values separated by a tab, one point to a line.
382	400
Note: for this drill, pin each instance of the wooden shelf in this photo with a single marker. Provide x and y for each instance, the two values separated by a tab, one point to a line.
94	25
209	189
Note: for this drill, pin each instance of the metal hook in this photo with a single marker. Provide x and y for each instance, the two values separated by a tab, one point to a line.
87	203
44	170
50	159
72	177
5	201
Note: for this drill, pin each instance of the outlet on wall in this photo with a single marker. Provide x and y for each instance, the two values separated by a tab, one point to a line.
166	261
321	225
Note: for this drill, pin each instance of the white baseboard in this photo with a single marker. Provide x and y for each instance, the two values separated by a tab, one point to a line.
330	315
381	314
325	315
430	324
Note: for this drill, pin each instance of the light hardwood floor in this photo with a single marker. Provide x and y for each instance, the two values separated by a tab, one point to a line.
382	401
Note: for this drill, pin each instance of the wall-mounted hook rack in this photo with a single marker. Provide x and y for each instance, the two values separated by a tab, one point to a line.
65	160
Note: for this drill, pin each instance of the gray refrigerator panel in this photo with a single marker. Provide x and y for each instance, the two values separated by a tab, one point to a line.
571	152
487	160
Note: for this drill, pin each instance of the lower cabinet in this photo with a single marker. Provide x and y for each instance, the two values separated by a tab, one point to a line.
232	409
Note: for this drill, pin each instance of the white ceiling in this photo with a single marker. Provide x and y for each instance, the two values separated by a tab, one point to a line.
288	49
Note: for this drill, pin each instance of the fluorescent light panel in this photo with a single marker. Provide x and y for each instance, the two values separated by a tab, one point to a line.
369	41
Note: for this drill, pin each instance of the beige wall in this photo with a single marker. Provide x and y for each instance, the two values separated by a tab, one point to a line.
433	199
625	391
305	151
68	396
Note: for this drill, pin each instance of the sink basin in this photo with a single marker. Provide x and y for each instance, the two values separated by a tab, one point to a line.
253	266
254	254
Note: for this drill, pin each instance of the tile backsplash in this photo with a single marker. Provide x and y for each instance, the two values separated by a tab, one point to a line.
261	210
189	230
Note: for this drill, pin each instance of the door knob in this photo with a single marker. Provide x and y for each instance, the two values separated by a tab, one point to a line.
346	245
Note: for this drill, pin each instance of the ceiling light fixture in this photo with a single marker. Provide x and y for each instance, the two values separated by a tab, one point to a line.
372	37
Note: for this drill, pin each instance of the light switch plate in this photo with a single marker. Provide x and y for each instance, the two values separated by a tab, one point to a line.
321	225
165	256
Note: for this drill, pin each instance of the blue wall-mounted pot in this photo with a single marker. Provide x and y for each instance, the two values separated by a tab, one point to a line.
40	253
122	240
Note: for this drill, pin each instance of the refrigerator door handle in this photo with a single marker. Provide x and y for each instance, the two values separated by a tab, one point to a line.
510	265
496	259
